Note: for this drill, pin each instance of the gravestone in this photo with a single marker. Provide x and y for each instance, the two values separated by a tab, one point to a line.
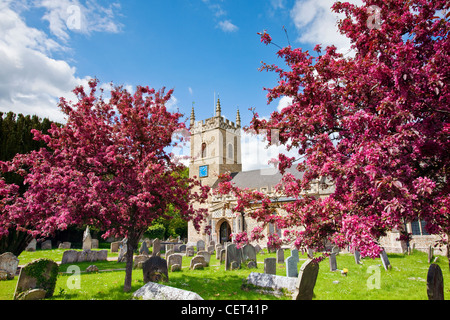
357	255
65	245
200	245
310	253
143	250
291	267
294	253
8	264
270	265
333	262
169	252
31	247
435	283
87	240
39	274
257	248
189	251
94	244
196	261
205	254
304	288
430	253
385	260
156	247
139	260
232	254
115	246
157	291
222	256
248	253
182	248
218	248
280	256
174	259
46	245
155	270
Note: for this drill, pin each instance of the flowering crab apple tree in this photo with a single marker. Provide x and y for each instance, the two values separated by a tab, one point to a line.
107	167
374	124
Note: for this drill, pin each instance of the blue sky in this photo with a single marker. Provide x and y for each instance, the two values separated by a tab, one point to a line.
197	47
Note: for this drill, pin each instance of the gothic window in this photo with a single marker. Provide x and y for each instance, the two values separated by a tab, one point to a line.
203	150
418	228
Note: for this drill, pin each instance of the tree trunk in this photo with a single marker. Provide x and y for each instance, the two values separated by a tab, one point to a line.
15	242
131	247
448	250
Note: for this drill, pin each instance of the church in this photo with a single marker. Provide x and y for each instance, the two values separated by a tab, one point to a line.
216	149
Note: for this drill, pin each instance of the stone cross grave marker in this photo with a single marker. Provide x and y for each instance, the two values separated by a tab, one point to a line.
304	289
435	283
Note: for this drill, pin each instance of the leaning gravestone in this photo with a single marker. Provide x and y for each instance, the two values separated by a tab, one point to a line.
270	265
157	291
357	255
31	246
304	289
435	283
271	282
8	265
233	255
385	260
155	270
123	251
39	274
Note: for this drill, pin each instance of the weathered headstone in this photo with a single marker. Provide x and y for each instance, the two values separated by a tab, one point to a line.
333	262
115	246
291	267
94	244
174	259
232	254
200	245
280	256
435	283
182	248
46	245
144	249
65	245
122	251
9	264
31	246
248	253
155	270
39	274
217	249
169	252
304	288
430	253
197	260
222	256
157	291
87	240
156	247
270	265
189	251
139	260
69	256
207	256
385	260
294	253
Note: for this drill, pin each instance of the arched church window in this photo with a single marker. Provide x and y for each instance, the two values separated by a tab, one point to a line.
203	150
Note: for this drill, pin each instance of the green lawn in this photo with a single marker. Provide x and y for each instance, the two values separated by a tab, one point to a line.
406	280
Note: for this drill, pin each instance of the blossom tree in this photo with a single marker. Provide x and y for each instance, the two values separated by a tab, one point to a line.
374	124
108	166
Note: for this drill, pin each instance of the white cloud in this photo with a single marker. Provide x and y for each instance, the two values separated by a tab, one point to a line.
66	16
31	80
284	102
191	92
227	26
317	23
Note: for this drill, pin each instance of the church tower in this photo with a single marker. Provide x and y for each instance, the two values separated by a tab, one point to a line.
215	146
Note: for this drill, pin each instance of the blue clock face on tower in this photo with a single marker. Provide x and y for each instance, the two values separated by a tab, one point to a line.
203	171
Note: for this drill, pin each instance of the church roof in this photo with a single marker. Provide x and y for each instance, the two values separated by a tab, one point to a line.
260	178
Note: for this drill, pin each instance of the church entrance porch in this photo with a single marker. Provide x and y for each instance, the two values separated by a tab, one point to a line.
225	232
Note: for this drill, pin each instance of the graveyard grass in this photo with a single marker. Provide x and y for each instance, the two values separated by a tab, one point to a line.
405	281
